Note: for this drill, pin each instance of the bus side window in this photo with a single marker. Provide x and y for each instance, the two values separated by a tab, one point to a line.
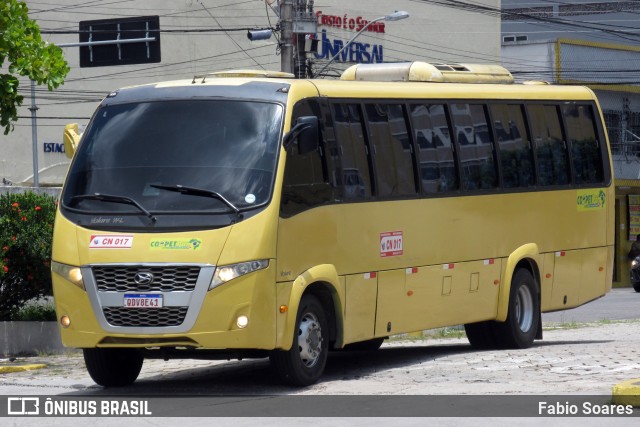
392	152
476	146
516	158
304	184
347	125
435	150
586	155
551	151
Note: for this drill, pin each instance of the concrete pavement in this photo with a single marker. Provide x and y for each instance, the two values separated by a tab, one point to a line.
595	359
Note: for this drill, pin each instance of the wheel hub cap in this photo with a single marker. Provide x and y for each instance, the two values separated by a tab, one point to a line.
309	340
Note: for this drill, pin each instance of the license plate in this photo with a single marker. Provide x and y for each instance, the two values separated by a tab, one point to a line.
143	300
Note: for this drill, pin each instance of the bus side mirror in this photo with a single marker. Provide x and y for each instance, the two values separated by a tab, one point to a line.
71	139
305	132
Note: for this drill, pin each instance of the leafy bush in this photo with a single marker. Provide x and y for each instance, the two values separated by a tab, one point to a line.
26	231
41	311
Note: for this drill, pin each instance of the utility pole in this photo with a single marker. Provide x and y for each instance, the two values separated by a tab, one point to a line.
300	56
286	37
34	134
304	26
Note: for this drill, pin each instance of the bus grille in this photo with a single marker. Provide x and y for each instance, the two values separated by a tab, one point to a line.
147	317
165	279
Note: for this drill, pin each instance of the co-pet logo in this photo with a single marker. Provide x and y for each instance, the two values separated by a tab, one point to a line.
23	406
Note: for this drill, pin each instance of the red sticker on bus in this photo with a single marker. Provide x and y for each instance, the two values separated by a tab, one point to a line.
391	243
111	241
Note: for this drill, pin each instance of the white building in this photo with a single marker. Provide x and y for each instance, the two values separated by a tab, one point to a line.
200	36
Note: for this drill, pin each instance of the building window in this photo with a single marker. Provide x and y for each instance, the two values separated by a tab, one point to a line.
514	38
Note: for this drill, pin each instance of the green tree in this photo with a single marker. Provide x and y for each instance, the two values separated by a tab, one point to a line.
27	55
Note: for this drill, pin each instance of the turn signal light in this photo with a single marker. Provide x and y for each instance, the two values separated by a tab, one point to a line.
65	321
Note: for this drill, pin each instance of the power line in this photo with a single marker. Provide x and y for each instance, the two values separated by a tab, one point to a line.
75	6
174	31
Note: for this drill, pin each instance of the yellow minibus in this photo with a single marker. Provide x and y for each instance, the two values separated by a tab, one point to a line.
250	214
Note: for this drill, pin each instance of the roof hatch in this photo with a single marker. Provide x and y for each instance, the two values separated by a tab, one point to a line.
425	72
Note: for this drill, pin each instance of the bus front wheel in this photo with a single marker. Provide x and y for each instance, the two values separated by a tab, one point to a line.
304	363
113	367
523	316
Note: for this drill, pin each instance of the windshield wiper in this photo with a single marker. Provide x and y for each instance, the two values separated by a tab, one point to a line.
115	199
199	192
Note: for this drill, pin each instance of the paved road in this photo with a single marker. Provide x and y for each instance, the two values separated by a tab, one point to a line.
619	304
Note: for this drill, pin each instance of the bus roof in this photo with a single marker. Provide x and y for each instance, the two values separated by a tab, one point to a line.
375	81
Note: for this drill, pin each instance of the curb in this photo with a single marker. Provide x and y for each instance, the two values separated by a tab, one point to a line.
627	393
7	369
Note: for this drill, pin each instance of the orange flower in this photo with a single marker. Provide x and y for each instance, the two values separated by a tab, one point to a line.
15	205
38	208
24	218
6	269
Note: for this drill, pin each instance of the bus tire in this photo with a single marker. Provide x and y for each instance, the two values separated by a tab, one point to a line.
523	316
113	367
481	335
304	363
369	345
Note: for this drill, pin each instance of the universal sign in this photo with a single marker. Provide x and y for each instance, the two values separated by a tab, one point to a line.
361	53
358	51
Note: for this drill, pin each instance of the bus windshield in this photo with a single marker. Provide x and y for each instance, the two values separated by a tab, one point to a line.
223	152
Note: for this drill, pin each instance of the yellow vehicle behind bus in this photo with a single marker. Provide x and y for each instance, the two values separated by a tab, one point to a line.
250	214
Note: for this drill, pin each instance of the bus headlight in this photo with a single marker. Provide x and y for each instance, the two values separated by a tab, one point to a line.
68	272
225	273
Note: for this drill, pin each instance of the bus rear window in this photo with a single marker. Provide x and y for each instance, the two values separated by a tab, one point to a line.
586	154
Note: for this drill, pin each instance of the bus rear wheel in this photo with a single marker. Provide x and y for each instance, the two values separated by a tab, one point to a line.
481	335
523	316
304	363
113	367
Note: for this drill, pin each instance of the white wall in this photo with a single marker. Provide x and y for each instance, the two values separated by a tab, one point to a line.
530	61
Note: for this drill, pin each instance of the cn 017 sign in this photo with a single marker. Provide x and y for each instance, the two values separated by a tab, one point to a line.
391	243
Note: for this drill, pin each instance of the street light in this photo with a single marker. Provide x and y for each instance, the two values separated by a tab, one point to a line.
395	16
